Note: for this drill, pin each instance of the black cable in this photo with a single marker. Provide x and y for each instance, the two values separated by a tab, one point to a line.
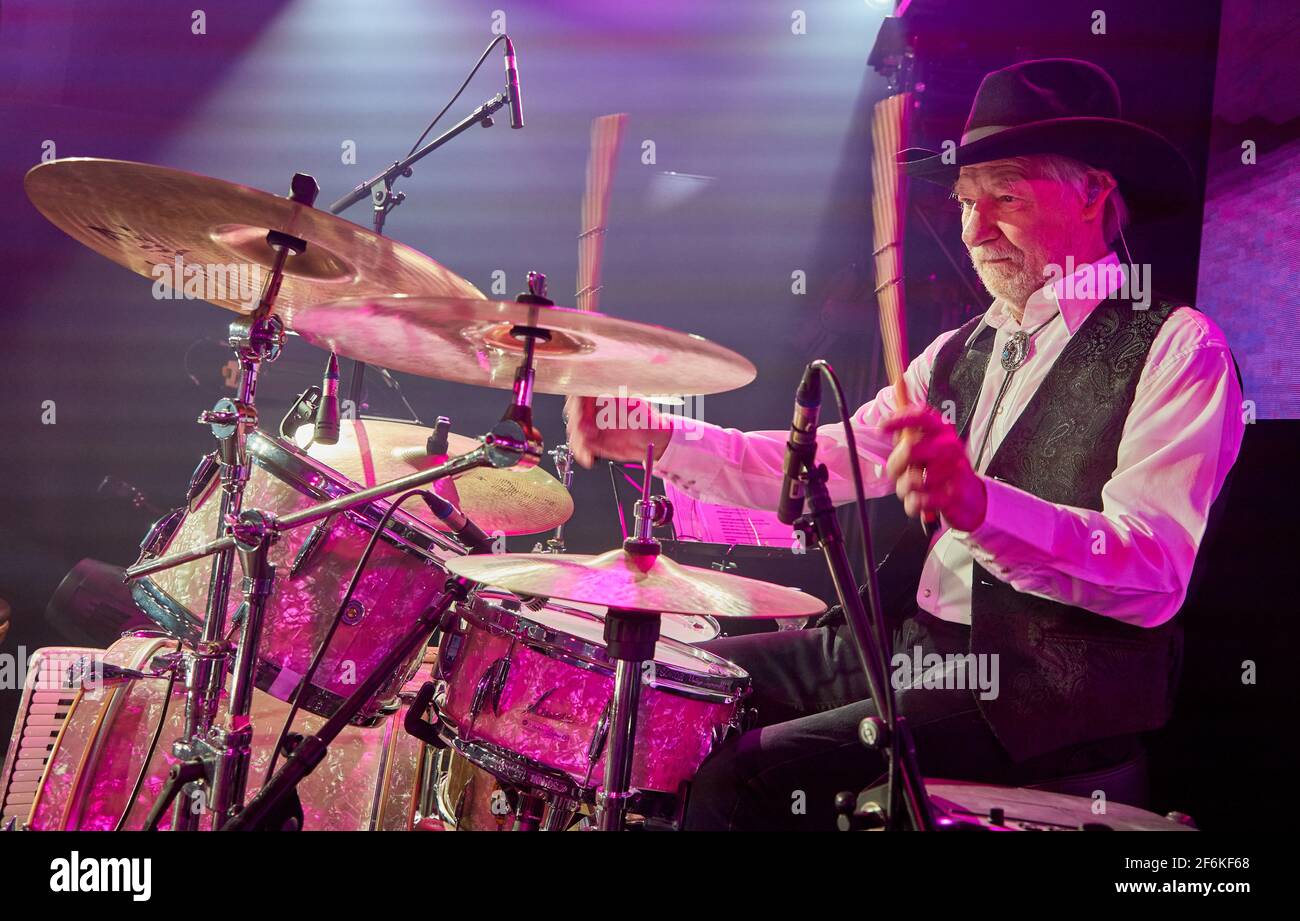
496	41
868	555
153	747
319	655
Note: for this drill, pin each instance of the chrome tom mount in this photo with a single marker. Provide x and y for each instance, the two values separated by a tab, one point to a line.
214	759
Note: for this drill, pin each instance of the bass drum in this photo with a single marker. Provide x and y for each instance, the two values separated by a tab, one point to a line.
369	780
313	567
469	798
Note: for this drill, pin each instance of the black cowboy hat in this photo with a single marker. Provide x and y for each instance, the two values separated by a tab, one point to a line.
1069	107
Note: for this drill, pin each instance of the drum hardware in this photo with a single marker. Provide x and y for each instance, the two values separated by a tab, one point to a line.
309	547
207	468
353	611
89	673
301	413
562	457
437	442
489	688
379	187
599	736
254	340
631	636
160	532
908	806
526	334
416	724
309	753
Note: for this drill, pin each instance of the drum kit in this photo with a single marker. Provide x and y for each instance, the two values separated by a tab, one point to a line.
567	681
379	664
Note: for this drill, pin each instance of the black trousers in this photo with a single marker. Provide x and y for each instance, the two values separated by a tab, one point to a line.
809	695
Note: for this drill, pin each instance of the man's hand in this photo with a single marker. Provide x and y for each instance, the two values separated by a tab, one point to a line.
931	470
617	430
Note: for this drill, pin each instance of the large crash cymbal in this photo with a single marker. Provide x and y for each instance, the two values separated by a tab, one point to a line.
142	216
635	583
470	341
512	500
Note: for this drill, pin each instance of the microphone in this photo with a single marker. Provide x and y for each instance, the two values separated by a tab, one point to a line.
512	87
464	530
802	446
327	413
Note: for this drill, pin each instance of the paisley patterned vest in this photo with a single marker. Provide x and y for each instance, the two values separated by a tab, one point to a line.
1066	675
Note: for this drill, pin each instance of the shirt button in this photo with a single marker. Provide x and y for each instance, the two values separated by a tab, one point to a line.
928	593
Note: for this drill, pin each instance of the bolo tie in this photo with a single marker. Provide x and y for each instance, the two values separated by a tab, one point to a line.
1014	355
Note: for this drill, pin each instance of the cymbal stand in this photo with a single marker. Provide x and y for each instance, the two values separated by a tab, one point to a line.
630	638
255	339
563	458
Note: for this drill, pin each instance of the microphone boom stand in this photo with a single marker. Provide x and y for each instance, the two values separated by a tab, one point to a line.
380	190
908	806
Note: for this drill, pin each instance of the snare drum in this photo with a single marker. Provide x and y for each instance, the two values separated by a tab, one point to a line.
527	695
313	567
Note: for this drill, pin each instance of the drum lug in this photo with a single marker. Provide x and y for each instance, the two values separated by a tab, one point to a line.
597	745
489	688
452	643
309	547
200	478
159	533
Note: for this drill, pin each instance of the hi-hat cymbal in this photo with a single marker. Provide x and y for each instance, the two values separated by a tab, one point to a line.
635	583
470	341
142	216
512	500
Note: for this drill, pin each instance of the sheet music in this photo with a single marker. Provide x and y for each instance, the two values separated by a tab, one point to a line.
726	524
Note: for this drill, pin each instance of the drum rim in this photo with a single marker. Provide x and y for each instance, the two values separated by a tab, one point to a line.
586	655
287	461
565	605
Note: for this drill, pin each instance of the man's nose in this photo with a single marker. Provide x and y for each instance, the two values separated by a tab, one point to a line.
978	227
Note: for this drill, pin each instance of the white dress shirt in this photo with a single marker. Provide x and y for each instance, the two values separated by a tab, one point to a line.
1130	561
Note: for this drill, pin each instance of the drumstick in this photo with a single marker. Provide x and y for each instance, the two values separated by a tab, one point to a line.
888	206
606	135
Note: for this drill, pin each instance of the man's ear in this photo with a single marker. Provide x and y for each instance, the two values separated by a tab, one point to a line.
1098	185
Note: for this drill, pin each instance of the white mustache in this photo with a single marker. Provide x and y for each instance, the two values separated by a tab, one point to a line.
987	256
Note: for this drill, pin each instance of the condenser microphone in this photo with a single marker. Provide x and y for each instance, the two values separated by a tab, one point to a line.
802	446
327	413
512	87
464	530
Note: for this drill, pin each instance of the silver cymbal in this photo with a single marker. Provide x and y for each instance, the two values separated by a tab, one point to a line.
142	216
469	340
